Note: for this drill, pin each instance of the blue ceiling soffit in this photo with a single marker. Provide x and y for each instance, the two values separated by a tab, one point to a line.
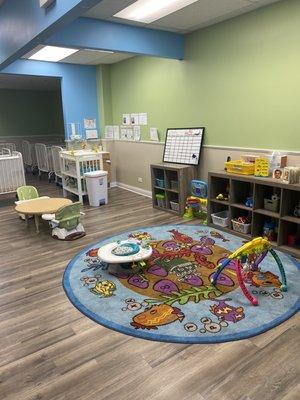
104	35
24	25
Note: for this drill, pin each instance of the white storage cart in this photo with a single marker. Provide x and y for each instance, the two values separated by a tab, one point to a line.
73	166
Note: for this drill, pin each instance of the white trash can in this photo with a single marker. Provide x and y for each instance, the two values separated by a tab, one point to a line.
96	184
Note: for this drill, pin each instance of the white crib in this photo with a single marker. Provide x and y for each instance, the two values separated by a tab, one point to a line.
29	155
44	159
11	172
56	161
10	146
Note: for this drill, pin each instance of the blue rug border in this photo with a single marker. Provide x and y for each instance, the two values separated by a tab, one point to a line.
166	338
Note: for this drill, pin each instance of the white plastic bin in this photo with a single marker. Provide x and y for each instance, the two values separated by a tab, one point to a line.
96	184
221	218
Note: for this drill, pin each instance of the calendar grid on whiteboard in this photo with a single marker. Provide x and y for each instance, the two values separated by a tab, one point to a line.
183	145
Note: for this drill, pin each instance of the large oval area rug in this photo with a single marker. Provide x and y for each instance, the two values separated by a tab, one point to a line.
172	300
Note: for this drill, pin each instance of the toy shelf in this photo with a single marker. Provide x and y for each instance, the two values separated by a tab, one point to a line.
171	182
239	188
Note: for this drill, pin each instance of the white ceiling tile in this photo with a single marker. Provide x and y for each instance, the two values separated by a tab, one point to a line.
200	14
91	57
84	57
113	58
107	8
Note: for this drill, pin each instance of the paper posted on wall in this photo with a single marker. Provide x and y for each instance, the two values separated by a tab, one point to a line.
153	134
126	119
89	123
91	134
137	132
109	132
134	119
143	119
116	130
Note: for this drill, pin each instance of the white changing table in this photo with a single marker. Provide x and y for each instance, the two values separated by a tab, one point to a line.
75	163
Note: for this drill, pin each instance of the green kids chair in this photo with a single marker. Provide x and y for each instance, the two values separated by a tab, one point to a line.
27	193
65	223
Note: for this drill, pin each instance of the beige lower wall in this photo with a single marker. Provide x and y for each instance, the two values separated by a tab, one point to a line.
131	160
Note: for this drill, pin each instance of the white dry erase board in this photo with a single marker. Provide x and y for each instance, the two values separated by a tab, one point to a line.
183	145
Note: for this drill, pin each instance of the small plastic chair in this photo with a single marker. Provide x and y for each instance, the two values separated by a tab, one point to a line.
65	223
27	193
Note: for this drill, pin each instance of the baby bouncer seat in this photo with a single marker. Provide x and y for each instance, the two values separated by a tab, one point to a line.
65	223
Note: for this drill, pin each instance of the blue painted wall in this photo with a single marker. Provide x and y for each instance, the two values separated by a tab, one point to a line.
105	35
78	87
23	24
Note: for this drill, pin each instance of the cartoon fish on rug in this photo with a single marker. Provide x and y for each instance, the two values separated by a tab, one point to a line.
92	252
104	288
259	278
218	235
157	315
140	236
180	237
226	312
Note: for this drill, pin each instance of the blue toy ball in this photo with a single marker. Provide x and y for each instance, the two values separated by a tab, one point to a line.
199	189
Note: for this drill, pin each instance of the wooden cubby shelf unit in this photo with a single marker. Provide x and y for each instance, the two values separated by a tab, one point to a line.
240	187
176	180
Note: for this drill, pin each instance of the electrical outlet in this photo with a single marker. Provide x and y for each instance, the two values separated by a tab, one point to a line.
140	180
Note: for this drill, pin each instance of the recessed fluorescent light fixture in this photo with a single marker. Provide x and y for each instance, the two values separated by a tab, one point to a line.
52	53
148	11
100	51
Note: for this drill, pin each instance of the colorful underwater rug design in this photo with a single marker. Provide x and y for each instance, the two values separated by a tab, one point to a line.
172	299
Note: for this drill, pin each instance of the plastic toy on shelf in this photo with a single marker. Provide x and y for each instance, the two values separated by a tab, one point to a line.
199	189
270	230
196	205
222	197
247	260
249	202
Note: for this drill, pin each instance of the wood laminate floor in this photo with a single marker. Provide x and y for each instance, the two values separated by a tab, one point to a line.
50	351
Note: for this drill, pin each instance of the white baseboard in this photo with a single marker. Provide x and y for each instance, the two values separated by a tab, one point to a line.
133	189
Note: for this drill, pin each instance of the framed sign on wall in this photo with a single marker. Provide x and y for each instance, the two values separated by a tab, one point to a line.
183	145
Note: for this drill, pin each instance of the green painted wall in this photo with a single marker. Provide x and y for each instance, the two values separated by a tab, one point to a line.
240	79
104	93
26	112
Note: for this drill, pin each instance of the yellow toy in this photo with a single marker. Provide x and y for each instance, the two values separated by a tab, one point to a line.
261	167
196	204
248	257
195	207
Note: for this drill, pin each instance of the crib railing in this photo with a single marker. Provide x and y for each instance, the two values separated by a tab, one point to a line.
44	158
10	146
11	172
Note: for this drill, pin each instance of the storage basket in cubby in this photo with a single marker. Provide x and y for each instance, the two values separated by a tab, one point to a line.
161	200
241	227
160	182
174	206
174	184
221	218
272	204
